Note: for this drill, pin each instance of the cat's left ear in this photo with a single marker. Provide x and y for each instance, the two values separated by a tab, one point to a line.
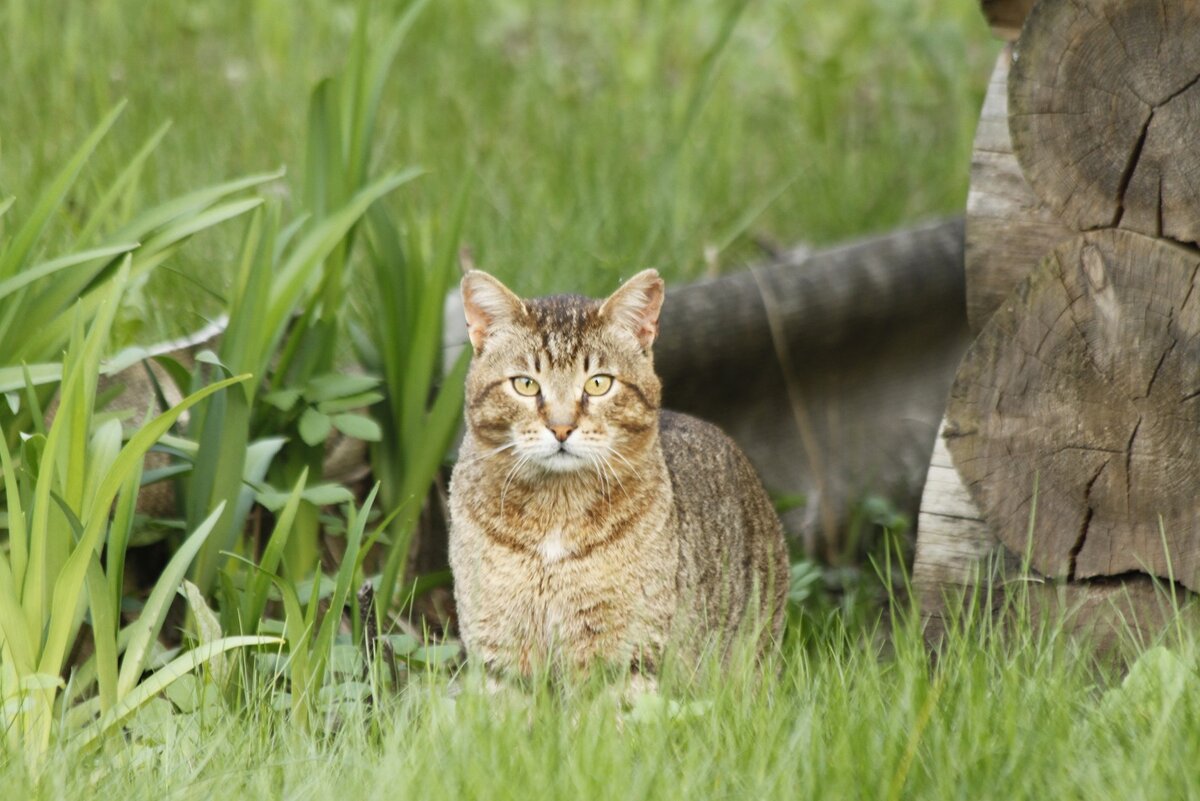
635	306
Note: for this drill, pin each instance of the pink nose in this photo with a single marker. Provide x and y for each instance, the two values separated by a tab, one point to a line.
561	432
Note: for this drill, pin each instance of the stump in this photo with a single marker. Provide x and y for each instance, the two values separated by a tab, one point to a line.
1067	461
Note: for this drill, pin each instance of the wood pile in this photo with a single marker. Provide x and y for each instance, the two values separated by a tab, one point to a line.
1070	452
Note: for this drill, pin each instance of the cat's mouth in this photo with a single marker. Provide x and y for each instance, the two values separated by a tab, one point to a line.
563	460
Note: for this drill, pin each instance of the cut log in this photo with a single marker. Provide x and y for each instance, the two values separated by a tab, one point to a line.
955	551
959	561
1009	229
1006	16
1074	418
1105	113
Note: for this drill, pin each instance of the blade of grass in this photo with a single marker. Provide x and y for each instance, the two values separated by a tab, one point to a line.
18	251
154	612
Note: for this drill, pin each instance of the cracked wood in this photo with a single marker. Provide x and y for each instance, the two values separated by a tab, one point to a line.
1009	229
1104	101
958	560
1075	417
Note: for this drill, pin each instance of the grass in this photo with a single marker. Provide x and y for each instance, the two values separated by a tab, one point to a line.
1009	715
596	138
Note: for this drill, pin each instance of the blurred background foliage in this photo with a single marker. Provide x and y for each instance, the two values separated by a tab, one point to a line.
596	137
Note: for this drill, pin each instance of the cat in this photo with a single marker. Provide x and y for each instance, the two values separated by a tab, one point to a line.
589	527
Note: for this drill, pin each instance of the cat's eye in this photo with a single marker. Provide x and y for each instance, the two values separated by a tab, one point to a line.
598	385
524	385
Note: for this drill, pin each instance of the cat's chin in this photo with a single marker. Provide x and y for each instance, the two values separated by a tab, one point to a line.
562	462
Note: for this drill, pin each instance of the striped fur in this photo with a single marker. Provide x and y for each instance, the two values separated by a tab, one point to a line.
642	530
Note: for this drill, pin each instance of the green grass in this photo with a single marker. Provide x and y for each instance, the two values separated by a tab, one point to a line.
1005	716
596	138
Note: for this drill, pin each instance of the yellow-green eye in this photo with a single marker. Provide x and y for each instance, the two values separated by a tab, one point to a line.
524	385
598	385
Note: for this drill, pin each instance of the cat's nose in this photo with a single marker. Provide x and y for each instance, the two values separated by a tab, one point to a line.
561	431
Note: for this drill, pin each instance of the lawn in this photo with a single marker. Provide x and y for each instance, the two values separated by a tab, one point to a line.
1003	715
567	145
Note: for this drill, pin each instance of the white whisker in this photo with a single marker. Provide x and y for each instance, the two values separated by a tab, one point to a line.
488	454
512	473
604	490
620	484
621	456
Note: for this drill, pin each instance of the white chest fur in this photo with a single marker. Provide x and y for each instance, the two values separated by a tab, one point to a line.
553	547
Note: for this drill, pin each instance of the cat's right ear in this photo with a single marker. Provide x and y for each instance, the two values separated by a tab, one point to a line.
487	304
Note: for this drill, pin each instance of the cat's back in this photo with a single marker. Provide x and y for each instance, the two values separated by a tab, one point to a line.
733	557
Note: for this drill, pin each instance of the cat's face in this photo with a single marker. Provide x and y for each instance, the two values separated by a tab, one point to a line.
563	384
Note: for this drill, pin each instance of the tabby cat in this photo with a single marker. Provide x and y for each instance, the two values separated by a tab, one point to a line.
588	526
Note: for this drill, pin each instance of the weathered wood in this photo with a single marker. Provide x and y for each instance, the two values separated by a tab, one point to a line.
1009	230
955	551
1104	102
959	561
1074	417
829	368
1006	16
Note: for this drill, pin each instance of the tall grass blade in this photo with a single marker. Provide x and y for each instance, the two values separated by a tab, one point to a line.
14	256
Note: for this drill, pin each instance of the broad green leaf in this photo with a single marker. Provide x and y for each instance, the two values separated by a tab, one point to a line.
403	644
14	377
361	401
18	536
189	204
314	426
119	534
358	426
105	446
283	399
345	660
339	385
260	454
18	639
327	494
436	655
